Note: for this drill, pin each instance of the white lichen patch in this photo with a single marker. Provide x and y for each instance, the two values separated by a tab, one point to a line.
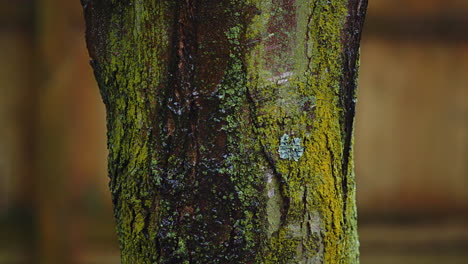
274	203
281	78
271	193
269	177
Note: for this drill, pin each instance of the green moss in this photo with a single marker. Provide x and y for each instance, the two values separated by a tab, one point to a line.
315	74
282	249
125	84
281	71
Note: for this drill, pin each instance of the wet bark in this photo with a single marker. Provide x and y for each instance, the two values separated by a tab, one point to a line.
230	127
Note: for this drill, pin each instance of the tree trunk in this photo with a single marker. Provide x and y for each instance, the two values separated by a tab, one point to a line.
230	127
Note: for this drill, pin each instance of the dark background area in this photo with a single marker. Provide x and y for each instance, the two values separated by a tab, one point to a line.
411	136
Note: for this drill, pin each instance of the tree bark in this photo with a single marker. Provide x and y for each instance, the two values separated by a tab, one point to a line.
230	127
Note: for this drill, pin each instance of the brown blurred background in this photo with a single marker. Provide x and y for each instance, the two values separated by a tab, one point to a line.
411	136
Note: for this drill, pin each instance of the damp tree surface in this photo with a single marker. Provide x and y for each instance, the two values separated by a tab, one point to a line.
230	127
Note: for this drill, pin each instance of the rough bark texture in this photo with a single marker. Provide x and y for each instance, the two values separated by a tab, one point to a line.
230	127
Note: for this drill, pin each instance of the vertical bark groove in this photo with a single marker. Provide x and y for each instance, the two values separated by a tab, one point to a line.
351	38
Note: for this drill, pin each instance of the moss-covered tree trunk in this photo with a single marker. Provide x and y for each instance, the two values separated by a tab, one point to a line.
230	127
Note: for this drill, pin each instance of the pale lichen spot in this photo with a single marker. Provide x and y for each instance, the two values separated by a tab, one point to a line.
271	193
269	177
281	78
290	149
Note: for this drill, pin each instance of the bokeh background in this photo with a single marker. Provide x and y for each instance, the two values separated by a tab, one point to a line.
411	136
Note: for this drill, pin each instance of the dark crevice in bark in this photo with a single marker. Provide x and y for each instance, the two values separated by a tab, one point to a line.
178	135
199	147
351	38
